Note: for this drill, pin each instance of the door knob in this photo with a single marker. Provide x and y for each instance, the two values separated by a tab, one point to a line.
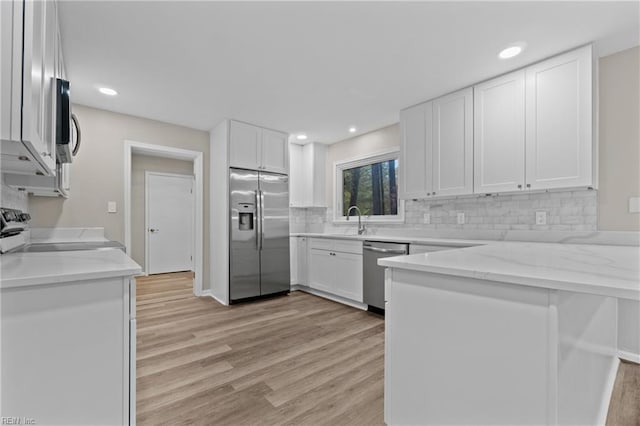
153	230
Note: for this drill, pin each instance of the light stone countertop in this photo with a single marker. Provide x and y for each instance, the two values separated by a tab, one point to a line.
595	269
30	269
452	242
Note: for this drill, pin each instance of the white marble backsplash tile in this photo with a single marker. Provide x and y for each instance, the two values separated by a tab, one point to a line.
12	198
571	218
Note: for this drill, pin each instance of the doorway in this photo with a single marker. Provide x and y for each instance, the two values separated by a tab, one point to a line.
168	222
196	158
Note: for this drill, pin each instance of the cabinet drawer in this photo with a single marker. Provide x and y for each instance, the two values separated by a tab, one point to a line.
348	246
321	244
343	246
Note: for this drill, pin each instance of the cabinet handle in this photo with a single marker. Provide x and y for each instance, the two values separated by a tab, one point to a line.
433	193
428	194
528	185
519	186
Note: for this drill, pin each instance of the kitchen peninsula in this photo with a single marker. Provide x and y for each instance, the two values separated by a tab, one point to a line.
516	333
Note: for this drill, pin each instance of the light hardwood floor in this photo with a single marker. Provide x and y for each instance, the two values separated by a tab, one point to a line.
624	409
297	359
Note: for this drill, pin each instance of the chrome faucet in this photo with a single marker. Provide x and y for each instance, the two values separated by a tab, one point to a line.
360	225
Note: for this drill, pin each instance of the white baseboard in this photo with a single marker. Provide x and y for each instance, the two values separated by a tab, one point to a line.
207	293
329	296
629	356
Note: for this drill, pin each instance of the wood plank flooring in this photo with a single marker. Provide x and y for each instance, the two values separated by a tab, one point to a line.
624	408
296	359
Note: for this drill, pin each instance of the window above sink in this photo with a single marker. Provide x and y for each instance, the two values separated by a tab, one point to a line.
371	184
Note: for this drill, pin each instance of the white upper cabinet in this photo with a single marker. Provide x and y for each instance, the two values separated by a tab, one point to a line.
307	172
416	179
499	111
559	121
453	144
275	151
244	145
527	130
30	39
252	147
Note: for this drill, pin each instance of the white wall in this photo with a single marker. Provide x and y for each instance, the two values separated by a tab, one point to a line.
97	174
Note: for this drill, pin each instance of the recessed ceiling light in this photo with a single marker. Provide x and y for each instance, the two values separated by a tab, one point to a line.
353	129
511	51
107	91
301	137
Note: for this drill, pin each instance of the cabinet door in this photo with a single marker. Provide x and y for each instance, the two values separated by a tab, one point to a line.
275	151
244	145
415	151
303	257
35	83
499	134
297	175
10	69
321	270
48	82
293	259
453	144
559	121
347	268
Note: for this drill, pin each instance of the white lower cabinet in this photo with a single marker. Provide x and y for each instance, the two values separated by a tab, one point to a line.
298	260
68	352
335	267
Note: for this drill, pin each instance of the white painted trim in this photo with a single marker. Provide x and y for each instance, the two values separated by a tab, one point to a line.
197	157
608	391
629	356
147	174
207	293
330	296
357	162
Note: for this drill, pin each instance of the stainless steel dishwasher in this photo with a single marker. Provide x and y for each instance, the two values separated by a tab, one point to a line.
373	275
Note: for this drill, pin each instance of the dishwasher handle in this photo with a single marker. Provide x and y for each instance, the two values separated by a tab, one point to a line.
381	250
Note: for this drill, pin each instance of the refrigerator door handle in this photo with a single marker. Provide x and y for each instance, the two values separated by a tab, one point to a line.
261	218
258	221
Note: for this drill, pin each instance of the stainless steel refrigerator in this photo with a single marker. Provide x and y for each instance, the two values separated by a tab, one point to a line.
259	234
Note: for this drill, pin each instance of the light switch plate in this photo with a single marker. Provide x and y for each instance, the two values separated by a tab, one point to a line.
426	218
460	218
541	217
634	205
112	207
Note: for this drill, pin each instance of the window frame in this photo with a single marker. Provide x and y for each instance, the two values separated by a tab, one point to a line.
340	166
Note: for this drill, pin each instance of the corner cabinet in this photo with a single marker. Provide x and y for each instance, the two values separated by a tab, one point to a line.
30	38
256	148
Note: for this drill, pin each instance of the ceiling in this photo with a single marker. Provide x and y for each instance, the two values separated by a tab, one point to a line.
312	67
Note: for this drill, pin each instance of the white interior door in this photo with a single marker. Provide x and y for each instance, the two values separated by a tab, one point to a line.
169	222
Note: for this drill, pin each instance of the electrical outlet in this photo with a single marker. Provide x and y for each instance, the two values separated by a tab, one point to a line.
541	218
460	218
427	218
112	207
634	205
